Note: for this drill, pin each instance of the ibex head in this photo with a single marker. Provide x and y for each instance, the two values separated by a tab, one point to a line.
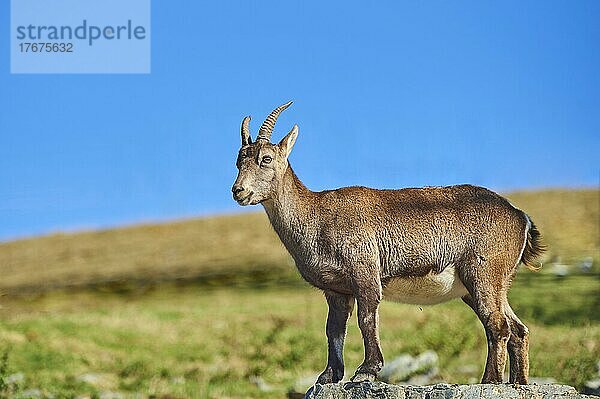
261	164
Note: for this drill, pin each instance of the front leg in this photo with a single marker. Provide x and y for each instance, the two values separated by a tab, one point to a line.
368	296
340	308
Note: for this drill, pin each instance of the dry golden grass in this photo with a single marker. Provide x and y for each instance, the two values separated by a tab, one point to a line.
179	250
239	244
568	219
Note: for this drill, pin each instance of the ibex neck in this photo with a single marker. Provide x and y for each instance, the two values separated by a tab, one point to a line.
289	211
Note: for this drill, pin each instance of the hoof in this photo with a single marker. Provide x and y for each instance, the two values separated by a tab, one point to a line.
329	376
363	377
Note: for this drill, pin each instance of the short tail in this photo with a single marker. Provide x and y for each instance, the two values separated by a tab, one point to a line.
534	247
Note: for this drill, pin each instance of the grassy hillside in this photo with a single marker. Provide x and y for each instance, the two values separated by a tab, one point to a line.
143	339
242	246
211	247
568	219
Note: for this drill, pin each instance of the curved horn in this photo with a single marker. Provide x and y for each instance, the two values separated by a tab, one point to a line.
246	131
266	129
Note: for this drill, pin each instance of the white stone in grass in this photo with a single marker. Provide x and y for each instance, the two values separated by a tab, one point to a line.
32	393
260	383
406	366
111	395
90	378
592	387
15	379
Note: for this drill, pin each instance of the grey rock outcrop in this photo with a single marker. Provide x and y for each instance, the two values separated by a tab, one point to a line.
380	390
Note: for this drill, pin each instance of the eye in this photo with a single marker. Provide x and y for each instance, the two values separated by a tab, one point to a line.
266	159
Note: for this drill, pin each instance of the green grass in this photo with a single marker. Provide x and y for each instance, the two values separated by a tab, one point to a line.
197	308
197	342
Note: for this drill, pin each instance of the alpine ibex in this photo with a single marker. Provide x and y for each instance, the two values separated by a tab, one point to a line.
414	245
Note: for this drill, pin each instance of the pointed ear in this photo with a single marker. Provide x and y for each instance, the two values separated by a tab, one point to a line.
288	141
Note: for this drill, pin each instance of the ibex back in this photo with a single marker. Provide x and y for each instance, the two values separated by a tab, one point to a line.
414	245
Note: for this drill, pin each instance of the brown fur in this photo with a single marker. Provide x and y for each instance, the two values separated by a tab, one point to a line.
360	244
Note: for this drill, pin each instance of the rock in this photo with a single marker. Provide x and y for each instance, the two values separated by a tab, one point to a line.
90	378
33	393
15	379
98	380
260	383
586	264
381	390
592	387
404	367
560	270
178	380
110	395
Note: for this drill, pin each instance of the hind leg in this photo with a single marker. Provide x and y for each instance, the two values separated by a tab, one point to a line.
497	331
518	348
487	299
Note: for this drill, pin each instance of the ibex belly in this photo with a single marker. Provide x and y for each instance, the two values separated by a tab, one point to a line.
426	290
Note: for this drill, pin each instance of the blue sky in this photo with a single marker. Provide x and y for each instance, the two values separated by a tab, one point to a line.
389	94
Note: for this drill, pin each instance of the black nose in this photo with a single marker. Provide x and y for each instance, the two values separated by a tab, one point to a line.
236	189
